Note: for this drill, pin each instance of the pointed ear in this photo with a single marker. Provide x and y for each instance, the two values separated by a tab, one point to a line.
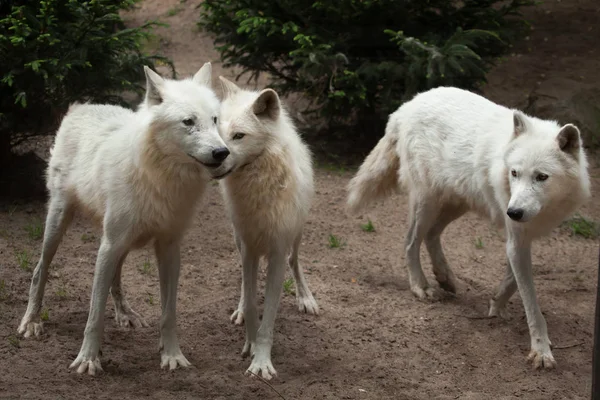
154	86
267	105
229	88
569	139
519	124
204	75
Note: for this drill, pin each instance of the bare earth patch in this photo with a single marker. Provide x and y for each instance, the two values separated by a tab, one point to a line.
372	339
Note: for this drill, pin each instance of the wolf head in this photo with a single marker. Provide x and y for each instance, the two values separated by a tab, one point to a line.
546	167
184	116
249	120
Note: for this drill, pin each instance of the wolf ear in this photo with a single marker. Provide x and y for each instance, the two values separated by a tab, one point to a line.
267	105
569	139
519	124
229	88
204	75
154	86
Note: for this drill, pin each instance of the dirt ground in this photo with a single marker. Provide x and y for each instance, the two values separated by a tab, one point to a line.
373	339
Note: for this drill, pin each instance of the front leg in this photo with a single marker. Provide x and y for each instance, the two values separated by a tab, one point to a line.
519	255
109	255
169	263
261	363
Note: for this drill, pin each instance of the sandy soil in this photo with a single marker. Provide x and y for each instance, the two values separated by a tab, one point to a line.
373	339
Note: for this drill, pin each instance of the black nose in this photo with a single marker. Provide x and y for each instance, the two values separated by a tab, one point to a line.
515	213
220	154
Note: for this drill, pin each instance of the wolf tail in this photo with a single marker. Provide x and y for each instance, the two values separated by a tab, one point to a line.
377	177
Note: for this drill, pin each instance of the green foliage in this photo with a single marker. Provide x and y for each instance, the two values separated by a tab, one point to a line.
24	260
35	230
478	243
368	227
288	286
55	52
335	242
583	227
363	58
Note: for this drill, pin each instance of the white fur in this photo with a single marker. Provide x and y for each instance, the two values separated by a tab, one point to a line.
455	151
268	197
140	175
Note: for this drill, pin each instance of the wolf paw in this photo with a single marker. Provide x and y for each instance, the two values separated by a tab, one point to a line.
130	319
237	317
89	364
541	359
308	304
31	326
262	367
424	293
173	360
498	311
248	349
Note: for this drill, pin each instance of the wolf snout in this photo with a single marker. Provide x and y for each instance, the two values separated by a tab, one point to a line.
516	214
220	153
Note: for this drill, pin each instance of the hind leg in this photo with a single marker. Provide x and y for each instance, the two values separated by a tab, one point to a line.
125	316
423	212
60	214
237	317
443	273
506	289
306	301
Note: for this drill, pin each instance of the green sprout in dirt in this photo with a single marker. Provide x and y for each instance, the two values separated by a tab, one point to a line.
335	242
35	230
24	260
146	267
85	238
150	299
581	226
288	286
61	292
368	227
174	11
14	341
479	243
44	315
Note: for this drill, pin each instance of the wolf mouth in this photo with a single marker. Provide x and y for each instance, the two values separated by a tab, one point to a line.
223	175
209	165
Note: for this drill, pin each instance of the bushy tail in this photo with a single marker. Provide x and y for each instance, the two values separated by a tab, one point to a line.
377	177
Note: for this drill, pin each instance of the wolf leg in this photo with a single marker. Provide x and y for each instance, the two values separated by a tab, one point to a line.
125	316
304	297
261	361
169	264
422	214
110	253
60	214
519	255
506	289
250	313
237	317
442	271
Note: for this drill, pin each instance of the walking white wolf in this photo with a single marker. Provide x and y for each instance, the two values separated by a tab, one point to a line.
268	196
456	151
140	174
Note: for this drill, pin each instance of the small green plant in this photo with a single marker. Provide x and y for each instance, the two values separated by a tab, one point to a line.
14	341
581	226
61	292
150	299
24	260
35	230
288	287
44	315
335	242
368	227
146	267
174	11
85	238
478	243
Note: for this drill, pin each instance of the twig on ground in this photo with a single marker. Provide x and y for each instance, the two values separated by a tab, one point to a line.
472	316
268	384
567	346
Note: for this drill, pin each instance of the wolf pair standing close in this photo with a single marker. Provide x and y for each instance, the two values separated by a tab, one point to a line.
142	173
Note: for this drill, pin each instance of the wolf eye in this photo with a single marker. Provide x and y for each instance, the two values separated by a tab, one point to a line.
513	173
238	136
188	122
541	177
215	120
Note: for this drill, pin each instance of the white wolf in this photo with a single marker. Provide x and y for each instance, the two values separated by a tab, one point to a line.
140	174
456	151
268	196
